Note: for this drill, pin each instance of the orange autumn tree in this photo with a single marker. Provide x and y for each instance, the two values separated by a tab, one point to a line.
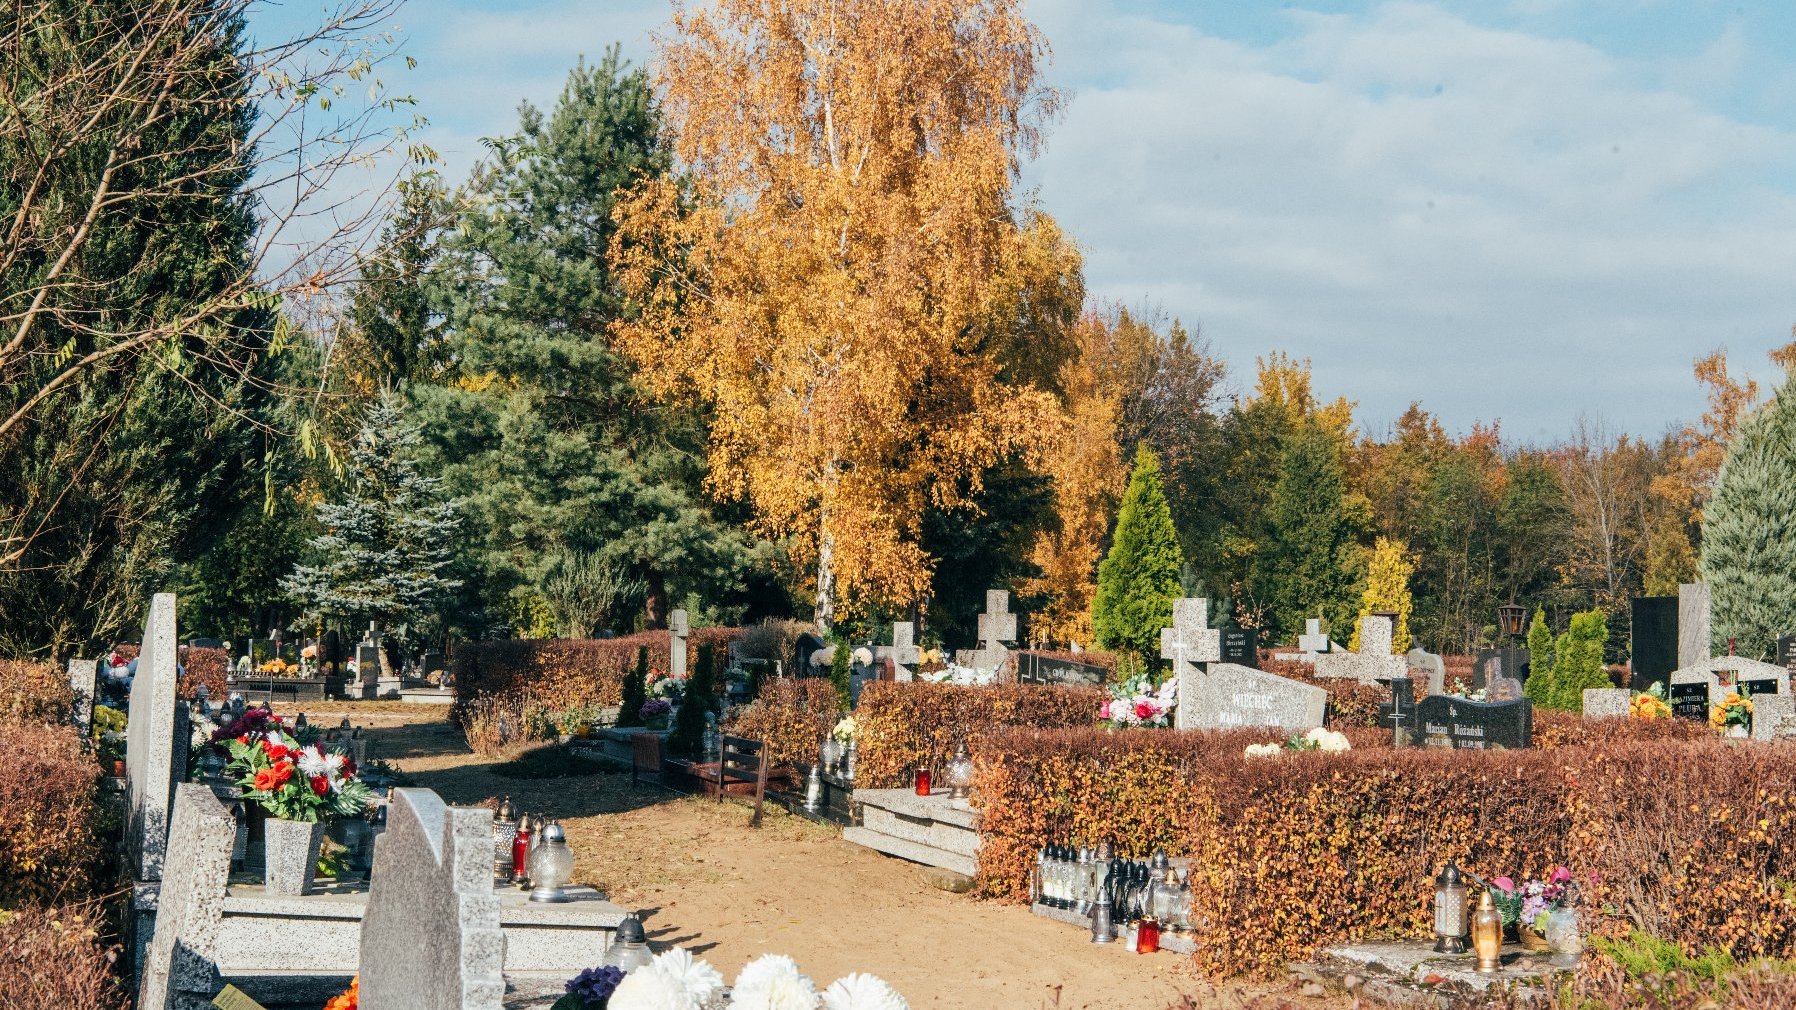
838	271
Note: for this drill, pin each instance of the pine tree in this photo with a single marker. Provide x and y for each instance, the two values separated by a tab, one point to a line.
1387	588
1540	659
1139	579
699	702
1749	530
1578	661
388	540
1307	557
635	691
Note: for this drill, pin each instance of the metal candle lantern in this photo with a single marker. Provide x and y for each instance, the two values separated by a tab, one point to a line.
813	789
630	947
505	832
1487	933
1510	617
1450	911
1103	926
551	865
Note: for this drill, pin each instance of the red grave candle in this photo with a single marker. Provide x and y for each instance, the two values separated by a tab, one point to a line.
922	782
520	848
1148	937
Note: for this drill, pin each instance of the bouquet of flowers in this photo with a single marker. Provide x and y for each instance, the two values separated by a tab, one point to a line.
863	656
665	685
843	733
1136	702
1734	710
294	781
1530	902
676	979
654	712
591	989
1649	704
1326	740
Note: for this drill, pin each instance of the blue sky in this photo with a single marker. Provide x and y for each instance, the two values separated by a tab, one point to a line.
1511	210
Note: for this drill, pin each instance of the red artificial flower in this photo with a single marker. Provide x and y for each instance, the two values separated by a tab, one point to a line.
283	772
266	780
243	738
348	767
275	751
321	785
1144	710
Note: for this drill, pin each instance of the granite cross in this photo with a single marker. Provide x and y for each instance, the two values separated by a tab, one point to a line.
903	651
1312	639
996	626
1190	639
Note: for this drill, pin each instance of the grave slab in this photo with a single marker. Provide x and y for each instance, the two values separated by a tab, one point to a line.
933	830
1232	697
1607	702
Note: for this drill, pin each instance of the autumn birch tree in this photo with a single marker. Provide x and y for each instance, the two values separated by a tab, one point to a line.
839	267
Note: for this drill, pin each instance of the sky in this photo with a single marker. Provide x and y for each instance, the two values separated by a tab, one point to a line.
1513	211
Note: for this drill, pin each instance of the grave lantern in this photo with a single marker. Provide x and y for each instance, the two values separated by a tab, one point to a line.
1510	617
1449	911
505	832
1487	933
960	773
551	865
629	948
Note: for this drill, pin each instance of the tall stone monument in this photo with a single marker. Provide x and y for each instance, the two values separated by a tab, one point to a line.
181	968
677	629
156	742
1695	645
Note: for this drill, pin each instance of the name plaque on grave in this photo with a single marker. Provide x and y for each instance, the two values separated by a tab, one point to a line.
1690	701
1241	646
1749	686
1033	668
1450	722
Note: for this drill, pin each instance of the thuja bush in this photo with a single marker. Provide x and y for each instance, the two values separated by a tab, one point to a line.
901	727
1296	852
791	716
561	673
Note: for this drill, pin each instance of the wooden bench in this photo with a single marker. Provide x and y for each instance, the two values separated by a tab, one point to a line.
740	759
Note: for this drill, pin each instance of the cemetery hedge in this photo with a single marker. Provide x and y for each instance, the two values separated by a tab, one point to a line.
561	673
901	726
1299	851
791	715
201	665
33	692
53	957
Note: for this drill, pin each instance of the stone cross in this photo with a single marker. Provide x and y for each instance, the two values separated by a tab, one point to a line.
1312	639
1373	662
996	626
677	630
430	935
1190	639
1399	712
156	742
180	969
84	675
903	651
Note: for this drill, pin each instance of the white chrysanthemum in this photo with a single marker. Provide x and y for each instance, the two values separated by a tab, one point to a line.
698	978
862	992
648	988
334	762
863	656
1257	750
773	982
311	762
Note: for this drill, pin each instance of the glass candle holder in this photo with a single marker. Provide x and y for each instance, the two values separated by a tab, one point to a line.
922	782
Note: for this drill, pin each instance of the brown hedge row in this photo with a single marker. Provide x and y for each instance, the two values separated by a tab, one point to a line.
49	842
899	727
33	692
54	957
1686	839
791	715
560	673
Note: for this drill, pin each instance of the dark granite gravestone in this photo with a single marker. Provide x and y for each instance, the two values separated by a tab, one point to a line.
1034	668
1654	641
801	654
1400	712
1507	662
1690	701
1786	651
1241	646
1447	721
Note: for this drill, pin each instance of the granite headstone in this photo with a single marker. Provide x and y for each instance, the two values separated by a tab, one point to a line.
156	742
1653	641
180	970
1694	643
1448	721
1230	696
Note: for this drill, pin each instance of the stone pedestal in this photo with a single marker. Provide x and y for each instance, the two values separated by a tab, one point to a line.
933	830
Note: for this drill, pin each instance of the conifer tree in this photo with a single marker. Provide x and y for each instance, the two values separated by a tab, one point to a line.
1578	661
839	674
635	691
1749	530
388	539
1540	656
699	702
1139	579
1307	556
1387	588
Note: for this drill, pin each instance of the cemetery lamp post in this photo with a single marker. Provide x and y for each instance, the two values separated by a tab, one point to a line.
1509	619
1449	911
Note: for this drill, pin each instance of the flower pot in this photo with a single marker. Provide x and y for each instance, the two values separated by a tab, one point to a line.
291	855
1531	938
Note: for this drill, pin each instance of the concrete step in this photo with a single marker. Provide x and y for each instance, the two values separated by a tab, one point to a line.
916	852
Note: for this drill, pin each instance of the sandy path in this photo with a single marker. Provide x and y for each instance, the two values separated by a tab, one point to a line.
707	882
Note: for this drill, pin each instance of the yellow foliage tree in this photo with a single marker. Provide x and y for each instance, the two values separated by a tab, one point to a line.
839	273
1387	589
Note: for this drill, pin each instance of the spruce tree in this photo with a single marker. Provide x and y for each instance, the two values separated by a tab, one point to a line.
1749	531
1539	685
635	691
1387	588
388	539
1578	661
1139	578
699	702
1307	556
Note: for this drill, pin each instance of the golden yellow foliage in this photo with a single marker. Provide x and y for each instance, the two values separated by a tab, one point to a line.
838	272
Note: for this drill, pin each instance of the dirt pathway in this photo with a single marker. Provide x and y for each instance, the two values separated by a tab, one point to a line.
706	882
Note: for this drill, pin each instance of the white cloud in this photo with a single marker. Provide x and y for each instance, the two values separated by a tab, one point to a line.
1497	224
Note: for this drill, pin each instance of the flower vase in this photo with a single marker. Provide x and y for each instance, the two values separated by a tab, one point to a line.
1532	939
291	855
